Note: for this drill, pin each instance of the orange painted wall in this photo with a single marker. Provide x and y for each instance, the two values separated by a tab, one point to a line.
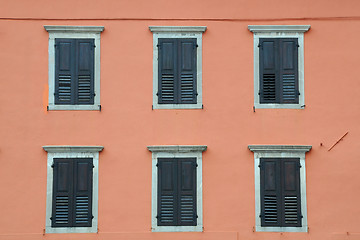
227	124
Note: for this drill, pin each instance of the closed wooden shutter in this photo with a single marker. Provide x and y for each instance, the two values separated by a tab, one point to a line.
85	71
270	192
65	60
74	71
187	192
278	70
177	71
280	192
269	74
289	70
177	192
291	201
72	193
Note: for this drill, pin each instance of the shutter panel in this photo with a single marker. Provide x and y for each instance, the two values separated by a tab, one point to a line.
187	192
270	192
64	71
85	71
269	86
62	193
187	92
291	216
167	70
289	70
167	192
83	177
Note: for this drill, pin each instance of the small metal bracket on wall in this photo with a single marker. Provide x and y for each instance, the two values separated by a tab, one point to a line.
338	141
254	108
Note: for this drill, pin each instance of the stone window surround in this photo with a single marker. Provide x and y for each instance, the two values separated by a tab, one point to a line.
280	151
72	152
176	151
90	32
177	32
279	31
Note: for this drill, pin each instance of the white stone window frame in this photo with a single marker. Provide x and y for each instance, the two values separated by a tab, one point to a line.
280	151
75	32
176	151
279	31
72	152
177	32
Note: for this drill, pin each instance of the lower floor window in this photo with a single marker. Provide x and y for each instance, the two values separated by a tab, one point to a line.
72	189
280	188
176	188
280	192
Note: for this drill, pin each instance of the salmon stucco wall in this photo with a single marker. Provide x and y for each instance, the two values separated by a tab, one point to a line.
227	124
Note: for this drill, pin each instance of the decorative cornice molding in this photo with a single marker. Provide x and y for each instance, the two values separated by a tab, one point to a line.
278	28
178	148
72	149
279	148
172	29
74	29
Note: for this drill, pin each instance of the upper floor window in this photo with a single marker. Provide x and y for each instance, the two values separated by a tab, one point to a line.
74	67
279	66
177	64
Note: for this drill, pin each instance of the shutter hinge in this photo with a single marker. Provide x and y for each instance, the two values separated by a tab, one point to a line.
55	93
260	216
298	92
301	216
52	165
157	94
55	45
197	216
259	93
157	216
196	94
157	165
259	165
195	46
93	166
51	218
297	45
94	94
159	46
94	46
92	217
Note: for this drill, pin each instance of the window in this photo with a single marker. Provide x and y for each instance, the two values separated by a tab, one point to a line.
72	189
177	67
176	188
74	67
279	66
280	188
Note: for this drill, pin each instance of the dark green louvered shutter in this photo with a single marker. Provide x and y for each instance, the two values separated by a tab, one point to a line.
291	203
85	71
167	192
187	192
74	71
167	70
177	192
83	182
280	192
289	70
177	71
72	193
62	201
270	191
278	65
187	91
65	60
